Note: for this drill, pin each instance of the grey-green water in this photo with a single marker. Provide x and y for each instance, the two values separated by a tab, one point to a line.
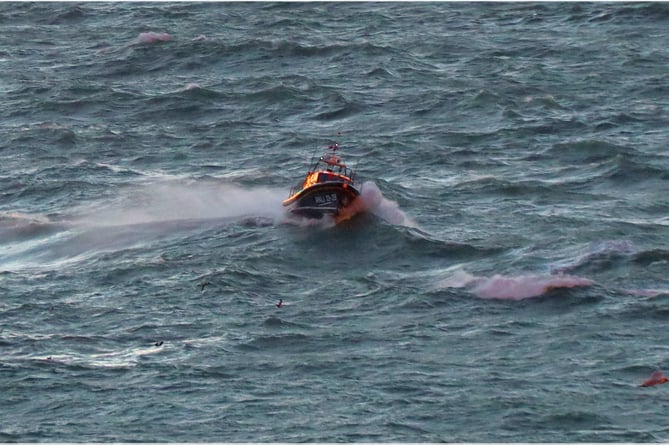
508	283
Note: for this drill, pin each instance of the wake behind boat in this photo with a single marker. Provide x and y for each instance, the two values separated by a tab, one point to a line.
328	189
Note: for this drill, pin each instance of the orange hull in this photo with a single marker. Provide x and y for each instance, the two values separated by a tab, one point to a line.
321	199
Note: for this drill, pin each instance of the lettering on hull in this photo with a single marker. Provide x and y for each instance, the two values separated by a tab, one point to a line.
325	199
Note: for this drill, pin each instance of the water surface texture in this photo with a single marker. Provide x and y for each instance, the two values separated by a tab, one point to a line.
508	282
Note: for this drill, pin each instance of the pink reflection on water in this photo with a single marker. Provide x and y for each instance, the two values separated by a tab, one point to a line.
153	37
525	286
656	378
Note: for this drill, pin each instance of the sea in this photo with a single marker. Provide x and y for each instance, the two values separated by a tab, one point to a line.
507	279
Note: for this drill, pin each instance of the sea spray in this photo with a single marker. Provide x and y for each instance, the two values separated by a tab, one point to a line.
162	202
139	216
372	200
459	279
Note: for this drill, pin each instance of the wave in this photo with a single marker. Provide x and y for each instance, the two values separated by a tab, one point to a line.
201	50
340	112
373	200
604	256
526	286
647	293
649	257
298	342
632	169
627	14
429	245
153	37
602	160
597	255
289	48
45	131
122	359
190	91
587	151
512	287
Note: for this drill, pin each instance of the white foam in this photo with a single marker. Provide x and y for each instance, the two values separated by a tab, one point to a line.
372	200
525	286
153	37
163	202
512	287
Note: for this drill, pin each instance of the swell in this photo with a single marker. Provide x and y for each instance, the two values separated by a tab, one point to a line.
195	53
430	246
580	171
595	261
517	287
652	256
586	151
622	164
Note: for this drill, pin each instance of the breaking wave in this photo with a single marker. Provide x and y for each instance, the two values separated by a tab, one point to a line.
153	37
372	200
512	288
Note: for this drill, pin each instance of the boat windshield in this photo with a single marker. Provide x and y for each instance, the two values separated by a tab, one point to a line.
325	177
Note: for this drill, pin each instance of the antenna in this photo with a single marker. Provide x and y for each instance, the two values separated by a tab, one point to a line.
313	156
335	145
356	170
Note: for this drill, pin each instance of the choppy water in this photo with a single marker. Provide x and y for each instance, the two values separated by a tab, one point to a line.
509	282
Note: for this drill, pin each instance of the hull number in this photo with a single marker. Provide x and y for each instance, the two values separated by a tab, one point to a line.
325	199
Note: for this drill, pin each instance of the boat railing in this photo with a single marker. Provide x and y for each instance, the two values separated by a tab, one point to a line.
328	163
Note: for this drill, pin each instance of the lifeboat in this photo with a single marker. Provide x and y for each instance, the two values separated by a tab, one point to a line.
327	189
